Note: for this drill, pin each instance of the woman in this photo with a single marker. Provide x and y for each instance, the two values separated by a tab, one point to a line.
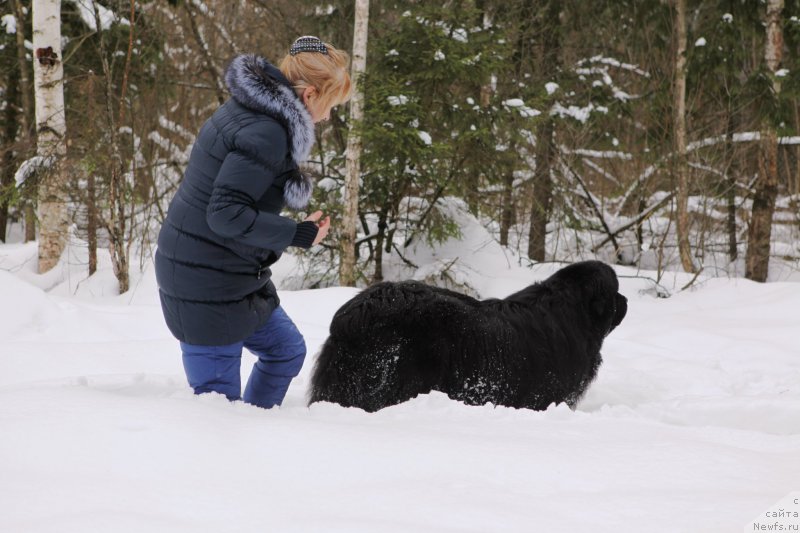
223	229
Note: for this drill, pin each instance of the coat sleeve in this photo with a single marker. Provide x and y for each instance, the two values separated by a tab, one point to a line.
245	175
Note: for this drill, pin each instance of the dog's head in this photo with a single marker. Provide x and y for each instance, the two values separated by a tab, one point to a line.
597	287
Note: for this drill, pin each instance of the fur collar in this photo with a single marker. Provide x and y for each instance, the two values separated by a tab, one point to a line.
258	85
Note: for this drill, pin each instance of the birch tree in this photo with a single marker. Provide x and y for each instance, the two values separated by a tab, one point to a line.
51	129
347	273
766	187
681	164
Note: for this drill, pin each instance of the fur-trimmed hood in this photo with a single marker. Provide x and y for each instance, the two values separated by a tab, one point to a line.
258	85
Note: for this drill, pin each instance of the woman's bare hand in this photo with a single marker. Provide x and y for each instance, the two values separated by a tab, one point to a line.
324	226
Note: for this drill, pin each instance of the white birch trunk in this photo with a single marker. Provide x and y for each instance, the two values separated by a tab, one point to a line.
681	166
347	266
51	129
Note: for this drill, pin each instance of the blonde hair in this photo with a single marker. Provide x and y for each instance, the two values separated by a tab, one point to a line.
327	73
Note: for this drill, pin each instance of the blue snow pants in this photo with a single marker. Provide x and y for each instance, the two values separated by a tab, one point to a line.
280	349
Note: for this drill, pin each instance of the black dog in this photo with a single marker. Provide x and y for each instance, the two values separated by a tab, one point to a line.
540	345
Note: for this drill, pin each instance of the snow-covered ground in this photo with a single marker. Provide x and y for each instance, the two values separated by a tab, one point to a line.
692	425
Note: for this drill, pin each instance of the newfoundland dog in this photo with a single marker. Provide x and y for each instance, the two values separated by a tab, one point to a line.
538	346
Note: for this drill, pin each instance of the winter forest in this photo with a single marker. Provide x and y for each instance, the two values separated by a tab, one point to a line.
657	134
487	145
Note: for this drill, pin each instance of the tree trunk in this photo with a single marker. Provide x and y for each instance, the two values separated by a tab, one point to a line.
641	206
378	276
520	59
794	180
766	192
29	215
24	75
542	190
116	189
91	221
681	164
766	187
485	21
507	213
730	185
9	138
347	266
26	119
51	130
92	214
545	142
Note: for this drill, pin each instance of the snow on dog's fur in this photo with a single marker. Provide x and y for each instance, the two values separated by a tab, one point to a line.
540	345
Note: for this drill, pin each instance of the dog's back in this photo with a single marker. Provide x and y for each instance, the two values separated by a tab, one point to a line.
397	305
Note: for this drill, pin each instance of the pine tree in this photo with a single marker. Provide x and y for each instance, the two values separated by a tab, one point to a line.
425	134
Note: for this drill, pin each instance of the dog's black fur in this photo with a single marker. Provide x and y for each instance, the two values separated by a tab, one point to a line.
540	345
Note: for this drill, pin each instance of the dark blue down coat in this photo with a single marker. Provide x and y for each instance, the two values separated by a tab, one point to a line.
223	229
